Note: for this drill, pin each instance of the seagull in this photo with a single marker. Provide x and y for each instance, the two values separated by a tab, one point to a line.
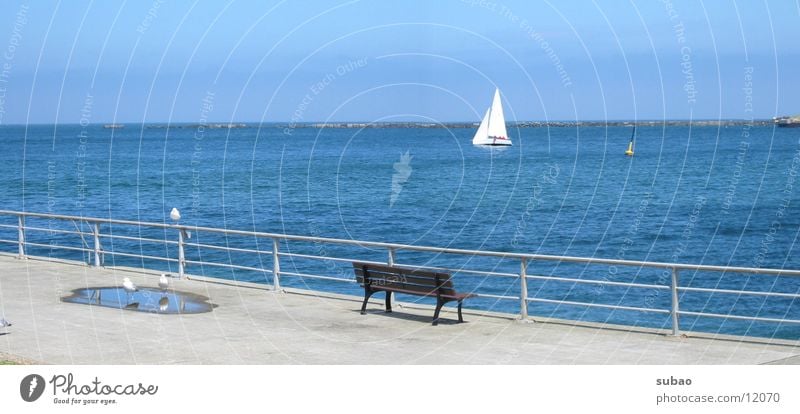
129	287
4	323
175	215
163	282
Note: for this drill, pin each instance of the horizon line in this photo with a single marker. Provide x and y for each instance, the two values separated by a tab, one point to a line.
388	122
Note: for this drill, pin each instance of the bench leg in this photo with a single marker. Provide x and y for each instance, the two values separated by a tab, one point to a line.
439	305
460	319
367	294
388	302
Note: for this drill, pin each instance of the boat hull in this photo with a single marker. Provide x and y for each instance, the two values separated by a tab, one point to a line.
788	121
492	142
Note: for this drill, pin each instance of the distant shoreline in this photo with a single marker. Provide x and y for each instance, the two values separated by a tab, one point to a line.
448	125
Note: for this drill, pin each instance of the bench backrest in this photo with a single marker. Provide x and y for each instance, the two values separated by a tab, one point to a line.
424	282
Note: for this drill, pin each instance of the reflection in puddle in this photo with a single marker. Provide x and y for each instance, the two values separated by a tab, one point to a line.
143	300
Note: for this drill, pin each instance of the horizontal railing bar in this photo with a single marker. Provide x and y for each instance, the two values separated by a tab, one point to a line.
58	247
334	259
56	230
9	241
345	260
597	305
489	295
454	270
9	226
269	270
740	292
138	256
228	265
232	249
597	282
747	318
396	246
119	236
484	295
89	219
306	275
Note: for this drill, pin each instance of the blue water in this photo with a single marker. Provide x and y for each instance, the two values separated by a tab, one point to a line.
707	195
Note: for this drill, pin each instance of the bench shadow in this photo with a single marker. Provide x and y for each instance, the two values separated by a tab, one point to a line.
428	319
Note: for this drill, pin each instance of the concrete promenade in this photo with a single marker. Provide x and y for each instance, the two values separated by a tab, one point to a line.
253	325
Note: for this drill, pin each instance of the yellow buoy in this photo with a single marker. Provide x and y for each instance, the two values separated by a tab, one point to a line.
629	152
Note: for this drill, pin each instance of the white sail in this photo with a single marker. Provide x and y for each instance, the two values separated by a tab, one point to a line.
483	130
492	130
497	122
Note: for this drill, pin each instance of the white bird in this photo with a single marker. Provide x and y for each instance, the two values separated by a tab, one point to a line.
175	215
129	287
163	282
4	323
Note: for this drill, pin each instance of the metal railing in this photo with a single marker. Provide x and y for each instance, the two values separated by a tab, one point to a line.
97	254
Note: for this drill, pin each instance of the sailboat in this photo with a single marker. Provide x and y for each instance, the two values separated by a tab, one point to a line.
629	151
492	130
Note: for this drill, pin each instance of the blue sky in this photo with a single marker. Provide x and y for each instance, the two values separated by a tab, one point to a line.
276	61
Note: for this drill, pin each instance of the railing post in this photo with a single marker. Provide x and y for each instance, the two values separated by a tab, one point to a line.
390	261
276	266
96	234
523	289
181	257
21	236
676	330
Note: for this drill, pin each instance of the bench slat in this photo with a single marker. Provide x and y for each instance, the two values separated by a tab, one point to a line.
425	290
393	270
444	280
457	296
383	280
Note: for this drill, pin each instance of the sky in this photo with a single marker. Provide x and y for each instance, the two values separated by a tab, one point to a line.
375	60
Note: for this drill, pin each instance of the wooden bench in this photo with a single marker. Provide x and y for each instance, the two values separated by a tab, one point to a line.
380	278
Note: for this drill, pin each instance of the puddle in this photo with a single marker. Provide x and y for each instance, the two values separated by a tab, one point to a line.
143	300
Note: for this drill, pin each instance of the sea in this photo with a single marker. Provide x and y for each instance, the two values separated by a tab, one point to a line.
713	195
